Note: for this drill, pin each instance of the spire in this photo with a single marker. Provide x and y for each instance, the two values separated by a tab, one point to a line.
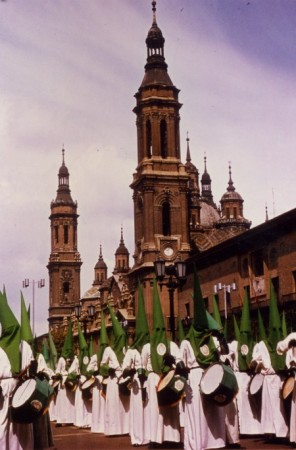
266	214
121	256
206	185
156	67
63	192
230	187
188	156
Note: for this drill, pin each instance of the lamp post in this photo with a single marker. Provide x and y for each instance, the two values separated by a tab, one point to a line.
40	284
84	317
176	277
227	288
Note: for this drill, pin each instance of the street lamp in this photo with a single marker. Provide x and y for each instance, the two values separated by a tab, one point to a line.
227	288
176	278
85	317
40	284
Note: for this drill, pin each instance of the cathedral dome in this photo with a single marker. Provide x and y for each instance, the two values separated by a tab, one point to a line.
209	215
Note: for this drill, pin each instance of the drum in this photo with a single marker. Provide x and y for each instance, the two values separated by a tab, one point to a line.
219	383
170	389
125	385
288	387
255	390
30	400
71	383
86	388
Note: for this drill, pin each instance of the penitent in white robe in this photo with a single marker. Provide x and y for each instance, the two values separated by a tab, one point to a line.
13	436
132	360
273	420
204	424
98	399
160	425
65	401
116	407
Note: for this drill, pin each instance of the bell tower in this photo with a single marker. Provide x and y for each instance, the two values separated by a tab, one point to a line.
160	183
64	260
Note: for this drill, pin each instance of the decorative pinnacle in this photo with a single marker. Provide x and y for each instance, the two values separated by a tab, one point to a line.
154	11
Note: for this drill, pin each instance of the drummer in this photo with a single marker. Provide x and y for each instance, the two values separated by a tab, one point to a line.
42	432
83	406
15	356
204	420
132	369
67	364
288	346
101	375
116	407
157	357
271	365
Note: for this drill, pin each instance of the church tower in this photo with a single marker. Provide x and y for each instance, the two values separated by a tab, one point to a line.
160	184
232	213
64	261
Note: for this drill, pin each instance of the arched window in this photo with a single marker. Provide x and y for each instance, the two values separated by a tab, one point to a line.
66	287
148	139
66	234
163	139
166	219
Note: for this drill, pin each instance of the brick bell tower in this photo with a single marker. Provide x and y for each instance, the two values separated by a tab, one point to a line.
64	261
160	183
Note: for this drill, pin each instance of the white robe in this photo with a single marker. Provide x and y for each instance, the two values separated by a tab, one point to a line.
116	407
13	436
83	407
283	347
204	420
160	425
248	416
65	401
132	360
98	400
273	419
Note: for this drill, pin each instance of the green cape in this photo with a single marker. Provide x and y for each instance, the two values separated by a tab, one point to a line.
158	340
11	334
68	350
142	335
119	342
83	351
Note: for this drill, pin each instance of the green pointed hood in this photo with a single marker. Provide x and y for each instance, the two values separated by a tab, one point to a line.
284	325
261	330
91	346
11	334
200	332
83	351
158	340
68	349
200	320
53	354
245	341
181	332
45	351
235	329
275	332
26	330
103	342
119	336
216	313
142	335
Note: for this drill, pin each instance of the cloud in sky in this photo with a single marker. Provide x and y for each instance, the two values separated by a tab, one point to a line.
69	72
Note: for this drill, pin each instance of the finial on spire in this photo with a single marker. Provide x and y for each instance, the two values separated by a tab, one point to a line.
266	213
154	11
100	255
63	156
230	182
205	162
188	156
121	236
